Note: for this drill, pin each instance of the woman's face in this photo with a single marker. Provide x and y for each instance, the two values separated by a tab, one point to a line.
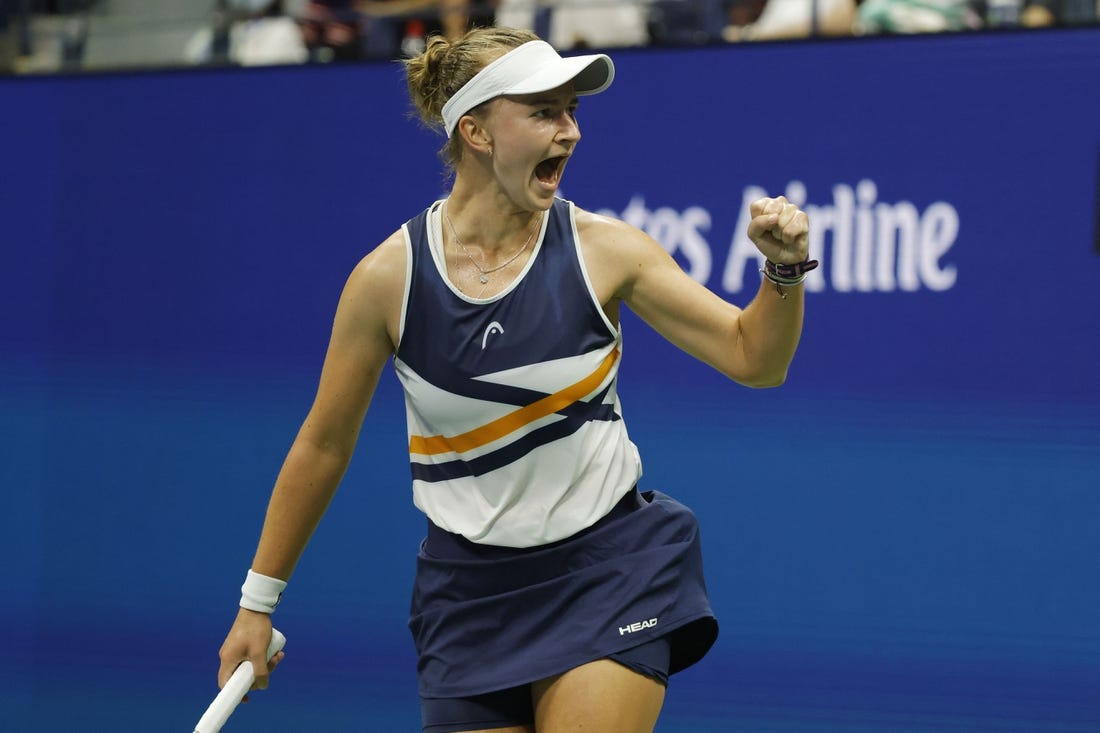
532	138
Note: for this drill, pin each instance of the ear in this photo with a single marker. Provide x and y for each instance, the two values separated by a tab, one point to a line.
474	134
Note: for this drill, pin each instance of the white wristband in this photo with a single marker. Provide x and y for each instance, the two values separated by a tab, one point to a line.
261	592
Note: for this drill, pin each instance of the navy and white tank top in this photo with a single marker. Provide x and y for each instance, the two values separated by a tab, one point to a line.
516	436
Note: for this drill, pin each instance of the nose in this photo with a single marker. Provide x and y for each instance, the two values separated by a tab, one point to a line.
568	129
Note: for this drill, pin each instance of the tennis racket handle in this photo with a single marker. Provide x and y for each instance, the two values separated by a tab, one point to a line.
234	690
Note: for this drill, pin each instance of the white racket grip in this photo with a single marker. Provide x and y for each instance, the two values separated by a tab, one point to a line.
234	690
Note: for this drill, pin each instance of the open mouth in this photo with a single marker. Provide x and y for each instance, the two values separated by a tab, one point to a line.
549	171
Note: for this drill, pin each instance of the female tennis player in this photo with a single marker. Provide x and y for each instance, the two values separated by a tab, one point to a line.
551	593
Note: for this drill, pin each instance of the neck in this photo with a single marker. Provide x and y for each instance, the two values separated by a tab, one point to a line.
492	224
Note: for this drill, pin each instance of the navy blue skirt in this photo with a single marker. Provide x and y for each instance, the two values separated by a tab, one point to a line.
486	618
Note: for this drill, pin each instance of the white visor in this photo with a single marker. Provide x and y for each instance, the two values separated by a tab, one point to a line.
533	67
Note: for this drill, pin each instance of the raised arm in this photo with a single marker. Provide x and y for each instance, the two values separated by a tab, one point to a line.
753	346
363	337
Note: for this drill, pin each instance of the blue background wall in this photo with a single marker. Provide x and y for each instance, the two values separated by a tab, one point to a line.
902	538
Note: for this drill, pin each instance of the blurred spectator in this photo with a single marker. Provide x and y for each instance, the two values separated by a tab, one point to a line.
332	30
579	23
452	18
7	36
689	22
1045	13
744	12
248	33
72	28
781	19
400	27
918	16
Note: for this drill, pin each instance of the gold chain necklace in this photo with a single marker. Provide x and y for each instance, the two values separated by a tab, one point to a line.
484	278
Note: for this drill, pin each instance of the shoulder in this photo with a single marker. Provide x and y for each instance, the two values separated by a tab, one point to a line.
614	251
603	229
615	254
376	286
382	266
611	235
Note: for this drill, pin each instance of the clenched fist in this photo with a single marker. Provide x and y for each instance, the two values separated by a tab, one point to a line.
780	230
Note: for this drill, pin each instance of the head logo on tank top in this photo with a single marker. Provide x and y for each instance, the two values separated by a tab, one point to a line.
492	328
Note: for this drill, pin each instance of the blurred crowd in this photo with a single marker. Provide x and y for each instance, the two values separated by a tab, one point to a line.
258	32
353	29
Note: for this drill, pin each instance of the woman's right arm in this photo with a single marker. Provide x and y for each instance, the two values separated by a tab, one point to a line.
364	333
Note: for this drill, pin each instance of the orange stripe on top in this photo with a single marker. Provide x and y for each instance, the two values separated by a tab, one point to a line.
500	427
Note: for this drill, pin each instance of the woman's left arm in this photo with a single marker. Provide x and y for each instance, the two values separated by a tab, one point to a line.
753	346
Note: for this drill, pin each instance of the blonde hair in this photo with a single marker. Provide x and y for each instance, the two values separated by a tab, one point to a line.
445	66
